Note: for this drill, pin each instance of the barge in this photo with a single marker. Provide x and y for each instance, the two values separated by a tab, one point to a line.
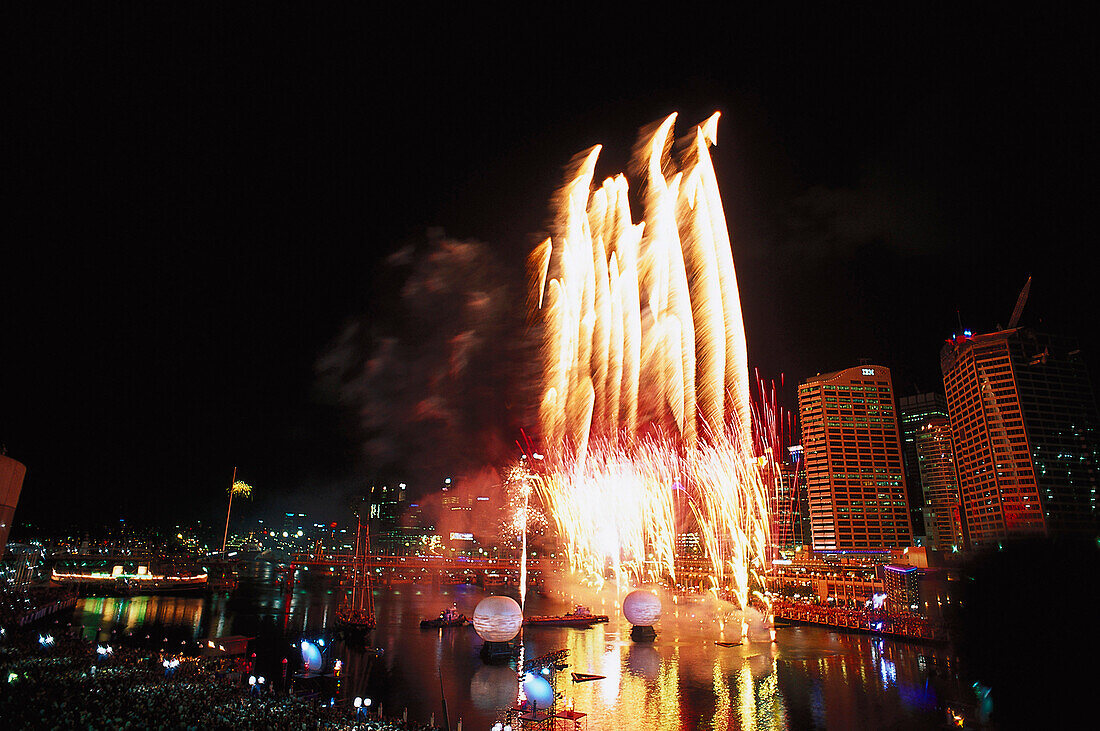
579	617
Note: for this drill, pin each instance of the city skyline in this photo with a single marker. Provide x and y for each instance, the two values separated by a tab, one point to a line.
198	232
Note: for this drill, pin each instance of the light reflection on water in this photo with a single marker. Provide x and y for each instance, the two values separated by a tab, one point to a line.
810	678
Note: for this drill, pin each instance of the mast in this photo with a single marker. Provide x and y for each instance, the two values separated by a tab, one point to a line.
359	611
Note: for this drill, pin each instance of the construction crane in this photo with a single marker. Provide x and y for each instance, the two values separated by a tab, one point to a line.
1020	302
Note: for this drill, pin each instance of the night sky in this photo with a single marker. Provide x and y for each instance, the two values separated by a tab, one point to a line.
206	209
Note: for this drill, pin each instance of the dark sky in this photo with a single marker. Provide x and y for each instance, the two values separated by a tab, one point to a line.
199	205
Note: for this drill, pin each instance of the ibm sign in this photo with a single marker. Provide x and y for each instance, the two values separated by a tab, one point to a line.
868	371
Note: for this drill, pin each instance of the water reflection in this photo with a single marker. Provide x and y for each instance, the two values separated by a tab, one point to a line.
809	678
494	687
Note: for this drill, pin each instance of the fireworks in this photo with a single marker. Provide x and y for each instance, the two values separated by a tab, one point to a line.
642	321
645	406
241	488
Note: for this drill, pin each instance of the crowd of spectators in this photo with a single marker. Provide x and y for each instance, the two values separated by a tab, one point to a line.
16	604
68	684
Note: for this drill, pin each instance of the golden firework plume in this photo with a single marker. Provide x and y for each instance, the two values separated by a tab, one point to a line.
241	488
645	408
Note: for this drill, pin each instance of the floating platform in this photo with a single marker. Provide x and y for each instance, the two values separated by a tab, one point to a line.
496	653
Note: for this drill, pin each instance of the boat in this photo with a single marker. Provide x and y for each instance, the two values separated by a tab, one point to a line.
579	617
356	613
129	576
727	644
449	617
585	677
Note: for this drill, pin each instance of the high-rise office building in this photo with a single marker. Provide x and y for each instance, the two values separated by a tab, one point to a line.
854	473
914	412
784	507
11	483
386	504
790	512
936	456
1023	418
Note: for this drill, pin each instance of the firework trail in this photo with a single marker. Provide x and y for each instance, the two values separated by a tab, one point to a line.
645	407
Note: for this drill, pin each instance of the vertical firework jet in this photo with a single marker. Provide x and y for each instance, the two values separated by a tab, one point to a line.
642	320
645	410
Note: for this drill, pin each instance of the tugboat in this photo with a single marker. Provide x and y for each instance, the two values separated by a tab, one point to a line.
449	617
580	617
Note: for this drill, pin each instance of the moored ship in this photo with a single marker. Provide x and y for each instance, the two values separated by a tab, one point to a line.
129	575
579	617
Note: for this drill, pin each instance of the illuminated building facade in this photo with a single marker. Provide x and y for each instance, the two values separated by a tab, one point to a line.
386	504
914	412
902	585
854	474
11	484
1023	418
804	529
936	457
791	511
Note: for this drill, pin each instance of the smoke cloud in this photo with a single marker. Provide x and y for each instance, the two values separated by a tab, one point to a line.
435	386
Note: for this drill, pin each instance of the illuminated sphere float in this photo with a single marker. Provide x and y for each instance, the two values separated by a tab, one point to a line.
311	657
538	690
498	619
642	609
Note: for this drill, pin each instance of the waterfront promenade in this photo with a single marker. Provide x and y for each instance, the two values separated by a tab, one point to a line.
907	625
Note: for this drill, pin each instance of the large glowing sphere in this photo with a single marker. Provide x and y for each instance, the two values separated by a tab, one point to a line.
538	689
642	608
311	657
497	619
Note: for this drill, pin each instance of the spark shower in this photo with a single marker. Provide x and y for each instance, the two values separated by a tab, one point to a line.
645	412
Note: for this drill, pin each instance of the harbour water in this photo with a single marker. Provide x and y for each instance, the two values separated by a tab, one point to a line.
809	677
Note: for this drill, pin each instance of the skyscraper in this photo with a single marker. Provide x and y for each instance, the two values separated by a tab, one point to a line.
854	472
1023	418
915	412
11	483
938	479
785	528
802	529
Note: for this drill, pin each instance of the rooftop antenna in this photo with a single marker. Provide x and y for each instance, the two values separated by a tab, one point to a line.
1020	302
